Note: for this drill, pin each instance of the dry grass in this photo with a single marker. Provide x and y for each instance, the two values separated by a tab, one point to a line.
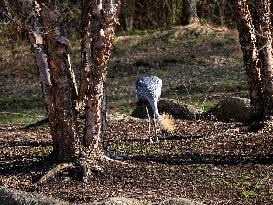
167	122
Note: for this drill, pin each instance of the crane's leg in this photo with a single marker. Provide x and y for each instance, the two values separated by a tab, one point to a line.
155	128
149	119
149	124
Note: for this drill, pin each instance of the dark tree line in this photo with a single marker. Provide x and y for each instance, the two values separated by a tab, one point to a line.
147	14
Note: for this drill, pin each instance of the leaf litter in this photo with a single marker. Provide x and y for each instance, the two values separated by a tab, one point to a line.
212	162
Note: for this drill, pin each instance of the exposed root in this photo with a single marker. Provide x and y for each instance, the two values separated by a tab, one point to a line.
91	166
57	169
116	159
36	124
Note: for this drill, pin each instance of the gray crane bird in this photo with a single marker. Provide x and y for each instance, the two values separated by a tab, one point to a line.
148	90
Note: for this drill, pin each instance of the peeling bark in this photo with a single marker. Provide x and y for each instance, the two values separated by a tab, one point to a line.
248	45
52	51
31	13
102	27
85	51
64	126
266	55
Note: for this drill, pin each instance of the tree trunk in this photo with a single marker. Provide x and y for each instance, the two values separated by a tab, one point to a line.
64	127
52	50
265	54
248	45
188	12
56	75
8	9
127	14
85	53
222	6
56	78
102	25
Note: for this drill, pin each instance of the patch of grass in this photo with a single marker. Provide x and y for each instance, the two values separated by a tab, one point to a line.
205	105
11	103
201	87
248	194
244	184
221	42
24	110
198	100
159	73
232	85
25	152
121	105
187	60
135	32
228	184
124	44
206	87
22	116
44	151
125	147
215	181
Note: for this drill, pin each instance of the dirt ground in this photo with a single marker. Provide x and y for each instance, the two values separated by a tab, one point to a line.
212	162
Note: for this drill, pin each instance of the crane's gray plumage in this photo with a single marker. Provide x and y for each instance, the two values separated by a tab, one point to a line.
149	88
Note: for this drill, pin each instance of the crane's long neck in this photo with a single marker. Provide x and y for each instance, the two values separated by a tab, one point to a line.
153	104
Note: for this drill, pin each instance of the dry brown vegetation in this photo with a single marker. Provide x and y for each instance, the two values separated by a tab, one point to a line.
167	122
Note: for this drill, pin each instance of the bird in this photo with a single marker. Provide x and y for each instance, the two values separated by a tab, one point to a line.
148	90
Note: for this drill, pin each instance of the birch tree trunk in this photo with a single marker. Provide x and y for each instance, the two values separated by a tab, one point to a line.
64	126
56	91
248	45
102	27
266	54
52	52
85	52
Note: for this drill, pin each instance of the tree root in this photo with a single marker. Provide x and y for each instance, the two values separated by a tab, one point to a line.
91	167
35	124
114	158
57	169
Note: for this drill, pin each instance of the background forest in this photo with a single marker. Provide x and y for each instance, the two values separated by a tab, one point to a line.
194	47
141	23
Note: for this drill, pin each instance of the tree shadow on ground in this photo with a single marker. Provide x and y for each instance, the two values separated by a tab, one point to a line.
189	157
197	158
18	157
14	164
161	138
24	143
18	165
